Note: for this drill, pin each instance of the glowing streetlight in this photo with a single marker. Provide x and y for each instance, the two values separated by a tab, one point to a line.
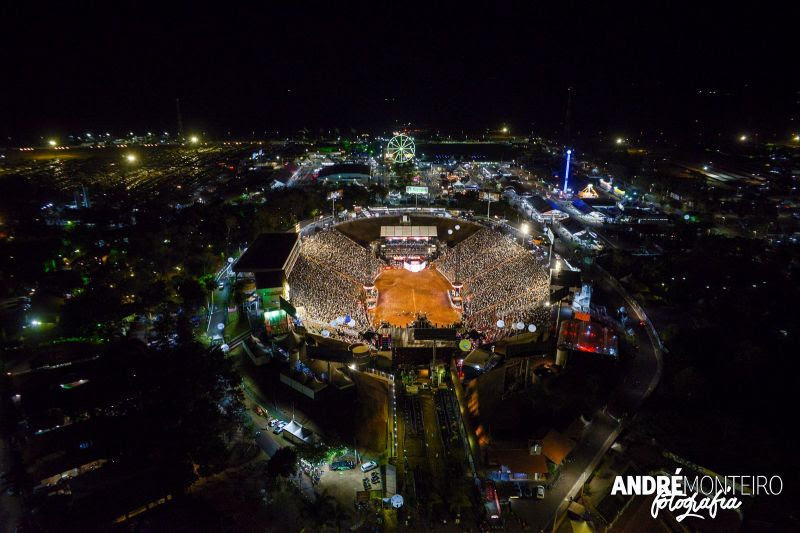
52	142
194	139
796	138
620	140
742	138
525	228
505	129
131	158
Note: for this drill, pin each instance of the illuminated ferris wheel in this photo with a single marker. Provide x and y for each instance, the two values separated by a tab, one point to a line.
400	149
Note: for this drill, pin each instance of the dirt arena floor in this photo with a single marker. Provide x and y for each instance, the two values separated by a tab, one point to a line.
402	294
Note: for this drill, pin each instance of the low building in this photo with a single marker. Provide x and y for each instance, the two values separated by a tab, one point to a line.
556	447
270	258
346	173
516	464
543	210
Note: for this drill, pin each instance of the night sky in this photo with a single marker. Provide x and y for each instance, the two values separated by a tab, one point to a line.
640	68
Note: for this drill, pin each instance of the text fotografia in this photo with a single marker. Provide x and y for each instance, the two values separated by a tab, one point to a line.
698	495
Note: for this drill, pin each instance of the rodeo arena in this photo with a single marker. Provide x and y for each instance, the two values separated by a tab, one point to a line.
487	283
391	319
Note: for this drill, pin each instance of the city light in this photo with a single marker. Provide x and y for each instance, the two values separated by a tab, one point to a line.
194	139
620	140
525	228
52	142
505	129
131	158
796	138
742	138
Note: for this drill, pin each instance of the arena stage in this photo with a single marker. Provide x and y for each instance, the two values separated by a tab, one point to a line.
403	294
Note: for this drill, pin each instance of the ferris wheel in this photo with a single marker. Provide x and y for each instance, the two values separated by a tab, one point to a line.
400	149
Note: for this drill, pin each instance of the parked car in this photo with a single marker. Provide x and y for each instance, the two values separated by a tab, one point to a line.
342	465
369	465
528	490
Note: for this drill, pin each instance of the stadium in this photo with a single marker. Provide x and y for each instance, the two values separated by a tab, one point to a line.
344	280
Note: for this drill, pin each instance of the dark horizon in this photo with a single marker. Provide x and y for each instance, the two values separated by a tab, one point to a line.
642	70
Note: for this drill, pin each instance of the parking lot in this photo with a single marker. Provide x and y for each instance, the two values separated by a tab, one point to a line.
343	484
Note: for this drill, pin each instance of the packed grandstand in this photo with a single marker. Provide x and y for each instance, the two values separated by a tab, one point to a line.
501	280
329	276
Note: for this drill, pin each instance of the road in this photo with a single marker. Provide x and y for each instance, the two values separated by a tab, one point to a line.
218	308
271	443
639	381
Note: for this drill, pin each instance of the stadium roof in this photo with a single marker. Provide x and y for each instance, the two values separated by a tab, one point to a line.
269	251
408	231
272	278
344	168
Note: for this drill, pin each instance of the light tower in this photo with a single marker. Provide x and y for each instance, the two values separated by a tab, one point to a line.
566	171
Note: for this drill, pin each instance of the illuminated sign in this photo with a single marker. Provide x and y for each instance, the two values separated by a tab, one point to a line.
412	189
489	196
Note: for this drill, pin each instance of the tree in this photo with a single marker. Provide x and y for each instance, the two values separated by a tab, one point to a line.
337	515
191	292
283	463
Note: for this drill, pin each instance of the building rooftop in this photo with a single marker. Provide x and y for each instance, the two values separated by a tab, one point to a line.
344	168
268	252
556	446
519	461
572	226
408	231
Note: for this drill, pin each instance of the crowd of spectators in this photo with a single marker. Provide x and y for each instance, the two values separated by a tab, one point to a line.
325	294
502	280
342	254
476	254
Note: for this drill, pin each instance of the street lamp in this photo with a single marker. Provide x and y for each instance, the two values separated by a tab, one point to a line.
620	140
52	142
131	158
194	139
742	138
